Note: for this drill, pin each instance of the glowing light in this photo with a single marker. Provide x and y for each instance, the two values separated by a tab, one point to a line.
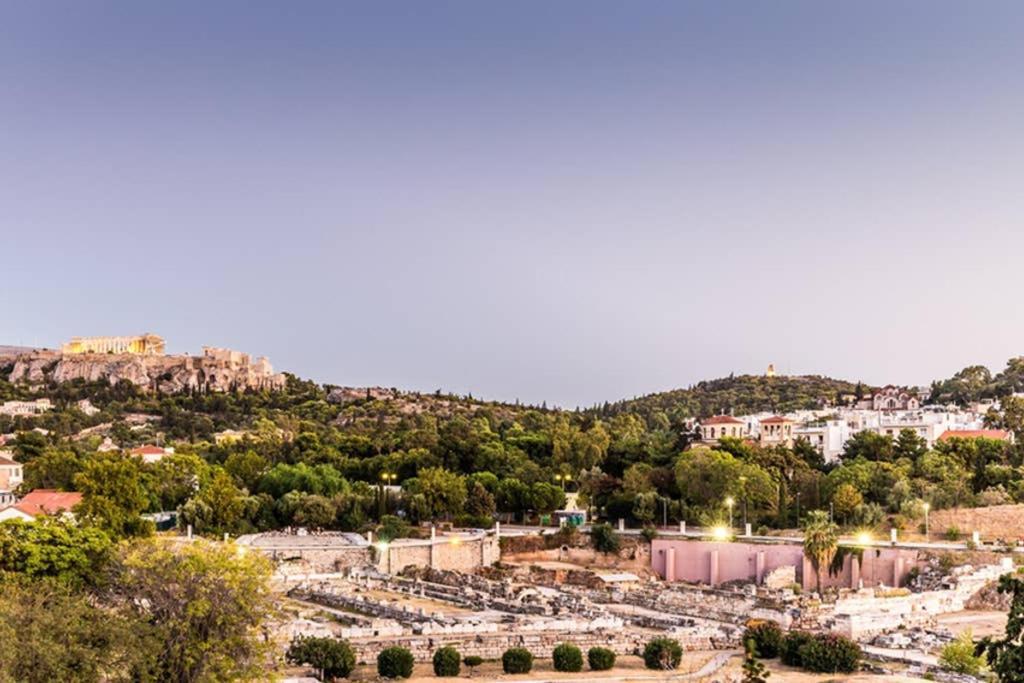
863	538
720	533
382	546
455	540
927	507
729	501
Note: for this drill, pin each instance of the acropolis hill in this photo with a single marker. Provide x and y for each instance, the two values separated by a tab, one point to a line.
141	361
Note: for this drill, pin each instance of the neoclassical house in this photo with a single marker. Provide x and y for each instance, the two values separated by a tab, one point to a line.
777	431
895	398
719	426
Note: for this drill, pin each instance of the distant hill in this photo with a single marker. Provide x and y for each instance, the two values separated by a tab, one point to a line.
739	394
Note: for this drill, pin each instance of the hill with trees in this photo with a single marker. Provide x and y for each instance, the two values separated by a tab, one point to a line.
741	394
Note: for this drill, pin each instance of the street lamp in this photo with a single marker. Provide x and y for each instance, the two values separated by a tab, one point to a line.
386	478
743	491
927	535
798	508
729	502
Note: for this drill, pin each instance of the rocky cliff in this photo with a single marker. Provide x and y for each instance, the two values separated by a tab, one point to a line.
169	374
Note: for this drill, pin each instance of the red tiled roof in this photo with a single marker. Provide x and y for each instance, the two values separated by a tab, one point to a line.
721	420
147	450
48	501
775	419
998	434
7	462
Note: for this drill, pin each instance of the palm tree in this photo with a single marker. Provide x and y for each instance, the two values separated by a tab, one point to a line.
821	538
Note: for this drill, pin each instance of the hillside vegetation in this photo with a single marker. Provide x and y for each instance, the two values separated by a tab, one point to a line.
741	394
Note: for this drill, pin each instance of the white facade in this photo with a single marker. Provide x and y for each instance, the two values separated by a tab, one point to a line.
16	408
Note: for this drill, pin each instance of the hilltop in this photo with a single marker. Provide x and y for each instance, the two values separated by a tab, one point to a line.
740	394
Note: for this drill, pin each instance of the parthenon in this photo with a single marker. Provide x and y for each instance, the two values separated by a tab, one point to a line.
143	344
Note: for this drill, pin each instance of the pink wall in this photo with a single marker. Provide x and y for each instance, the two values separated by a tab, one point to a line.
713	563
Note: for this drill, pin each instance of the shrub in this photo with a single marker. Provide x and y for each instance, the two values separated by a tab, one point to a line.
600	658
447	662
394	662
830	653
516	660
567	657
789	653
767	638
472	662
958	656
649	533
753	669
663	653
953	533
605	540
330	657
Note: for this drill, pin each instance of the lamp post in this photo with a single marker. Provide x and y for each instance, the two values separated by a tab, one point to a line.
386	478
927	535
743	492
729	502
798	508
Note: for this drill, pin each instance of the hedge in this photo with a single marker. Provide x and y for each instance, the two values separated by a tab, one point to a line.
516	660
567	657
395	662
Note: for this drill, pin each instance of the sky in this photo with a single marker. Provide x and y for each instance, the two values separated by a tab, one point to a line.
568	202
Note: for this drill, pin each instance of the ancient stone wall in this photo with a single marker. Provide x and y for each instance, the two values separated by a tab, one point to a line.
492	645
996	522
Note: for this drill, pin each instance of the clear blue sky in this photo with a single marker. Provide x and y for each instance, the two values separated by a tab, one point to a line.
561	201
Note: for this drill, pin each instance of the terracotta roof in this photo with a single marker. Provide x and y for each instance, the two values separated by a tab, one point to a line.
721	420
48	501
7	462
775	419
998	434
147	450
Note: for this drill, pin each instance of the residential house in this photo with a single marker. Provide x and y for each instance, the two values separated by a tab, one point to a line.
777	431
720	426
150	454
996	434
42	502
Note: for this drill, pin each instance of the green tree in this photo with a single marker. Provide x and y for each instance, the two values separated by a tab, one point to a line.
175	478
53	469
959	656
247	468
846	500
206	605
447	662
909	444
51	632
54	547
870	446
1006	655
443	491
330	657
218	508
546	498
114	495
662	654
821	539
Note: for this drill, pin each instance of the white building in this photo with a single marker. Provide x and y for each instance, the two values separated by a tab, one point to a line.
25	408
